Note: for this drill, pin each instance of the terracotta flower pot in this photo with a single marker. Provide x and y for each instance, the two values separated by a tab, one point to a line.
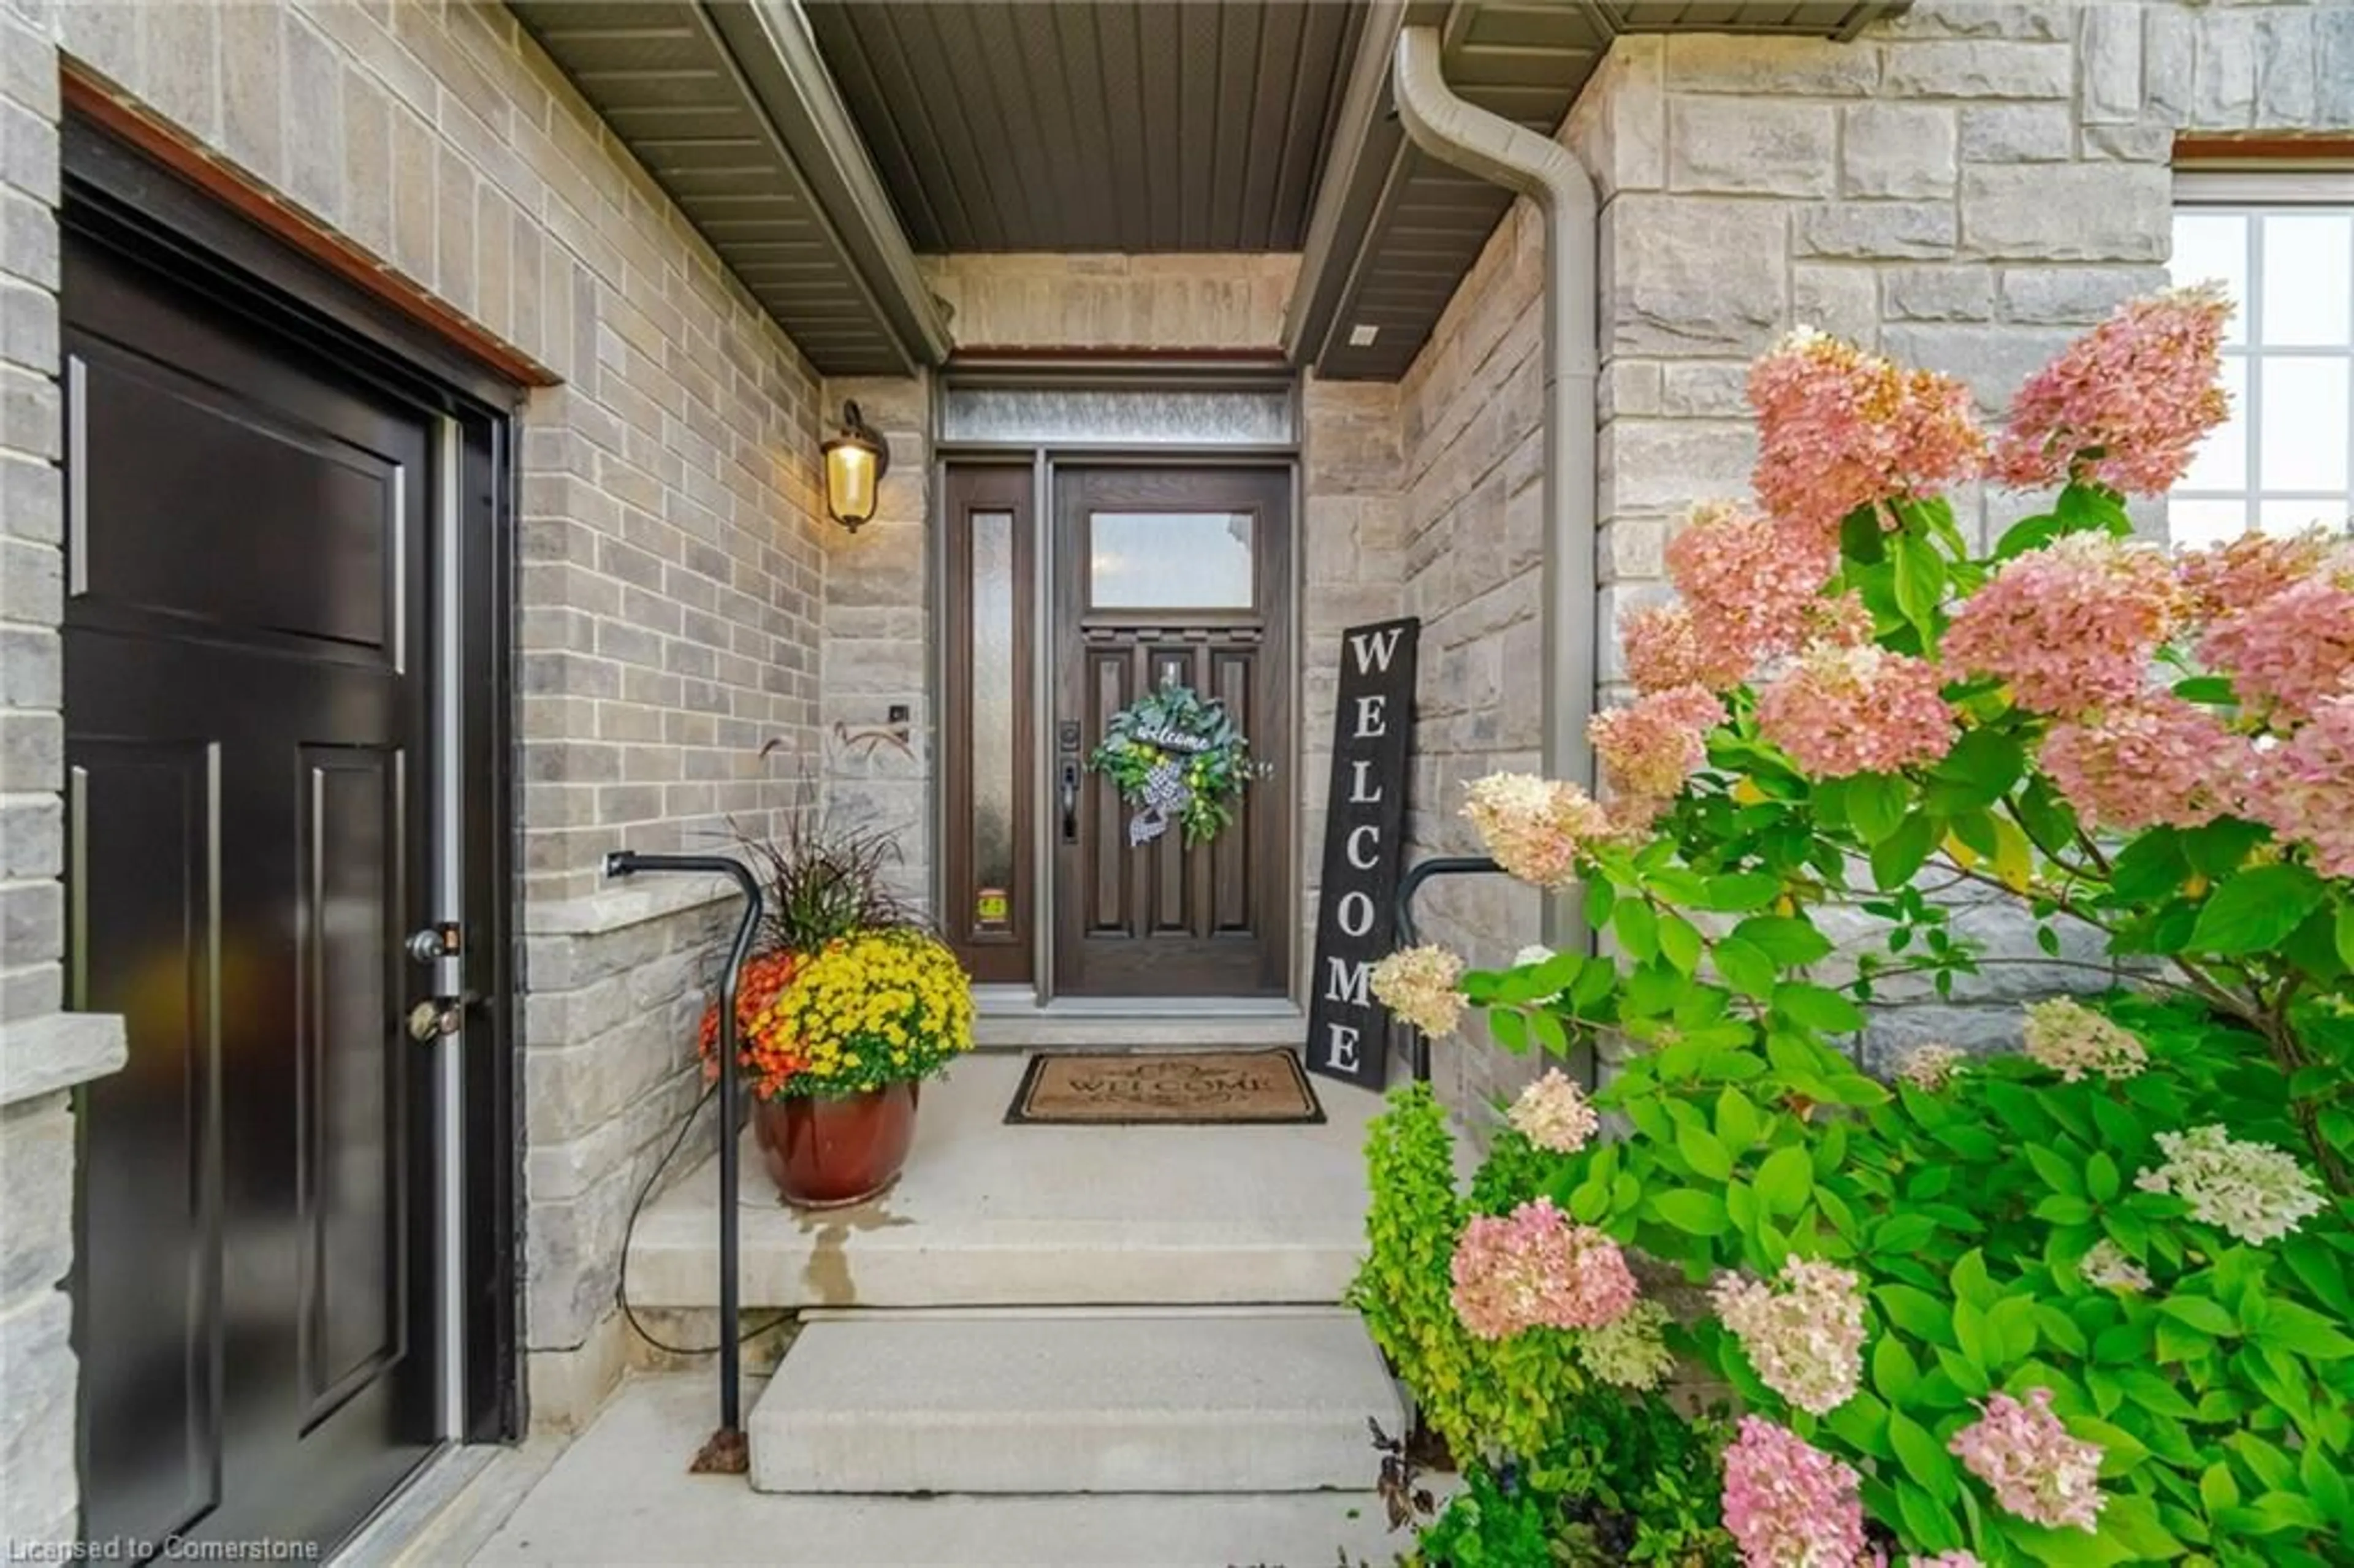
825	1153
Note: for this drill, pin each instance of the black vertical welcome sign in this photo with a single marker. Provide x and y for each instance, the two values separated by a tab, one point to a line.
1364	848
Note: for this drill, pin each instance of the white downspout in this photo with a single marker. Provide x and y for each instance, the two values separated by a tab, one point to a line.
1460	133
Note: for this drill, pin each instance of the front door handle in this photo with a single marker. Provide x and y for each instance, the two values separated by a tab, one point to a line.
437	1017
1070	800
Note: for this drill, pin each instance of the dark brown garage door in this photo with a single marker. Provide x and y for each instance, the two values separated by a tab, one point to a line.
248	768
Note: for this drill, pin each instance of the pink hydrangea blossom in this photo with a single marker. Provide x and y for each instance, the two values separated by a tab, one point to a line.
1553	1114
2241	574
1537	829
2148	760
1804	1334
1535	1269
1652	745
1788	1504
1663	650
2304	788
1843	618
2071	625
1750	580
2124	404
1839	429
1418	985
2073	1041
1844	710
2037	1471
2288	652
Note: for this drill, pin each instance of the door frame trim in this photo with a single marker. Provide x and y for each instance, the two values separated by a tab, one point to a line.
123	196
1043	459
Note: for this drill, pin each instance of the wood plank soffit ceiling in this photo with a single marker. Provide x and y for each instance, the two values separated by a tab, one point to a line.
818	145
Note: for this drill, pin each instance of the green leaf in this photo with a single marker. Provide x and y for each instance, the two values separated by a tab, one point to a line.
2102	1182
1920	579
1704	1153
1739	892
1679	940
2027	534
1876	805
1817	1007
1971	1333
1697	1213
1746	968
1786	1180
2081	508
2217	1489
1979	770
2257	908
2056	1170
1638	929
2220	847
1924	1459
1788	940
2150	867
1862	537
2345	932
1895	858
1894	1371
2200	1312
2303	1330
1738	1121
2211	691
1916	1312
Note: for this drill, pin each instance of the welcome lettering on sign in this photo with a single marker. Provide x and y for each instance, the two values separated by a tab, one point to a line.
1364	848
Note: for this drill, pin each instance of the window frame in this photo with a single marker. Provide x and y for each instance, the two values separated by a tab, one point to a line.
2266	192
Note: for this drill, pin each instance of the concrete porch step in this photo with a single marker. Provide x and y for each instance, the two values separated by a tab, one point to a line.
989	1214
1200	1401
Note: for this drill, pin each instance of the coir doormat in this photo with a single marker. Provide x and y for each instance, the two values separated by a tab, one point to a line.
1176	1089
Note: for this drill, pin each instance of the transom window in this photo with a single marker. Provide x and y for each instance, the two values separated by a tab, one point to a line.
2283	244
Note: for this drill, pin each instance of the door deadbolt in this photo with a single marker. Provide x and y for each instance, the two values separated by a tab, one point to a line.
436	1018
431	944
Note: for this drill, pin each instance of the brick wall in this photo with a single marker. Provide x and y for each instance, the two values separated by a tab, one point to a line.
878	639
1965	187
1473	454
673	570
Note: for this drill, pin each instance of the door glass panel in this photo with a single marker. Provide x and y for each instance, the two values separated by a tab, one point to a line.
1170	560
993	681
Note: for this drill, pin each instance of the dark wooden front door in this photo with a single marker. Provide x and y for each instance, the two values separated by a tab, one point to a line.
247	751
1185	575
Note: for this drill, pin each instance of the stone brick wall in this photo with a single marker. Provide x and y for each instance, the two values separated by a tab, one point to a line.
1352	573
878	775
1965	187
673	570
1188	299
1469	410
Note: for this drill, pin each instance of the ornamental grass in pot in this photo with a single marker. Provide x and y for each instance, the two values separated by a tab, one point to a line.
846	1006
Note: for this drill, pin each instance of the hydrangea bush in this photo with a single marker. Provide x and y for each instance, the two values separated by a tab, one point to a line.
2088	1303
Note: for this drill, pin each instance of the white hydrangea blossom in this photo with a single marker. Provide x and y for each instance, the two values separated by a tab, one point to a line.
2253	1191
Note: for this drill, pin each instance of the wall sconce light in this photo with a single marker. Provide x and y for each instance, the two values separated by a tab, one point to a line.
855	462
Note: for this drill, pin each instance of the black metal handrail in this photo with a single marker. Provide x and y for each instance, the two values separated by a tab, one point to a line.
727	1444
1408	885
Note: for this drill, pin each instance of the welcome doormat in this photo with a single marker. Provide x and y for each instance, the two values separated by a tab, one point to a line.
1175	1088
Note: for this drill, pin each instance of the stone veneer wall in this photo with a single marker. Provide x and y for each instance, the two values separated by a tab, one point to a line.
669	600
1964	186
877	639
1203	302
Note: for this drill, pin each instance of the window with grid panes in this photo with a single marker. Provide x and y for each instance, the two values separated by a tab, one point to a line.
2283	244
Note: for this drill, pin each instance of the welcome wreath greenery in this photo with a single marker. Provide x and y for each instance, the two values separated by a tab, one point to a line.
1176	754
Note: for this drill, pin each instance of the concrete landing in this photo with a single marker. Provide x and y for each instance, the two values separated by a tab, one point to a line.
620	1495
994	1216
1199	1401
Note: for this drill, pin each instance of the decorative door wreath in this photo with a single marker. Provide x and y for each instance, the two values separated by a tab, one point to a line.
1176	754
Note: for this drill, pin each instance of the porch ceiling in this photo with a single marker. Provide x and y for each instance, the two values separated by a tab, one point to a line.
1144	125
708	97
1394	230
